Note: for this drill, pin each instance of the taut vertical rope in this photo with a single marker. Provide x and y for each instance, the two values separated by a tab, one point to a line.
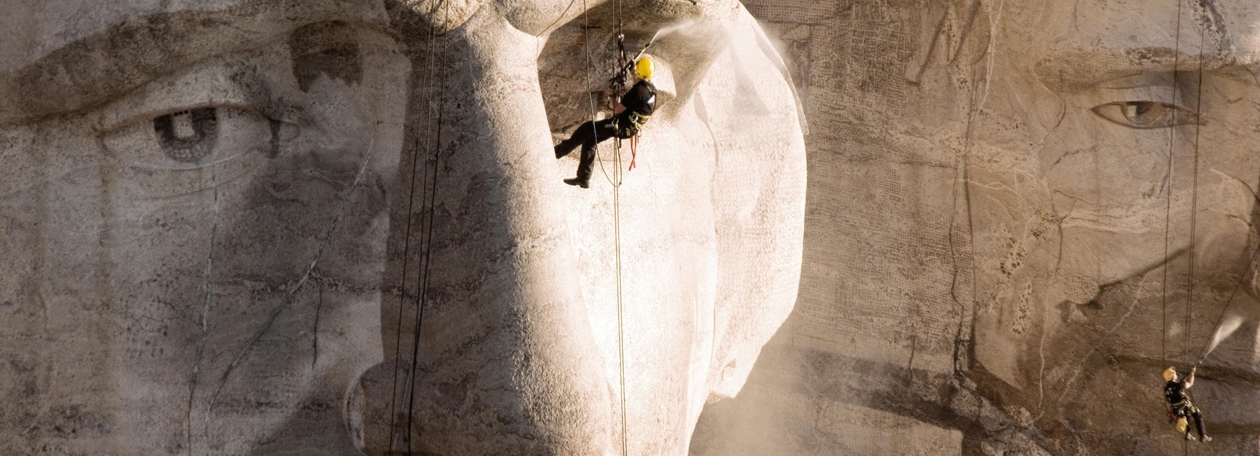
415	158
615	180
617	175
1194	196
1168	192
621	348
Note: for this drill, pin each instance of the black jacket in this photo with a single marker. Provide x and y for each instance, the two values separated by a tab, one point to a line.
640	99
1175	392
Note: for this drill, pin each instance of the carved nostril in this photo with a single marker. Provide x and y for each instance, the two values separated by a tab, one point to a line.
378	419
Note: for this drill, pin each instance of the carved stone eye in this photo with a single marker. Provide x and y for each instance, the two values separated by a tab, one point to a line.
1145	114
187	136
193	139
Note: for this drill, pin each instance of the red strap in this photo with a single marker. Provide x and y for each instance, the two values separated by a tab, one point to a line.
634	150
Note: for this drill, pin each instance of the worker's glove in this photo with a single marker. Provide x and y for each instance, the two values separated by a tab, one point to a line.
618	83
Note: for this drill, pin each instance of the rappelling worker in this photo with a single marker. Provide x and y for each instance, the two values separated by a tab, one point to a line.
1180	408
635	108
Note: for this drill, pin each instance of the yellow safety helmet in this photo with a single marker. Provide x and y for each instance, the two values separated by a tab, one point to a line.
1170	374
644	67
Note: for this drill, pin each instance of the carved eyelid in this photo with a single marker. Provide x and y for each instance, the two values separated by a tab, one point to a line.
229	81
1164	87
183	115
148	116
1164	90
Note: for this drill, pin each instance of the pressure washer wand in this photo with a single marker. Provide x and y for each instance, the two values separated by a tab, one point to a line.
641	51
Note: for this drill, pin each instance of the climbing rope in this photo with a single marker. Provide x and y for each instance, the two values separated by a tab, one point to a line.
427	264
1194	198
1194	195
617	172
1172	130
615	180
617	176
621	348
1168	194
427	261
402	298
1197	126
433	143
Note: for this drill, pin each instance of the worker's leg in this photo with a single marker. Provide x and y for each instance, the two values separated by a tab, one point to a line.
603	130
579	136
1198	424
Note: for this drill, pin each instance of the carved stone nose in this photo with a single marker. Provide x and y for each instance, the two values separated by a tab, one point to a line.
507	361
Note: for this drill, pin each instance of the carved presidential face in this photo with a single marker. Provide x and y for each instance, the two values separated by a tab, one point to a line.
220	220
195	223
1112	189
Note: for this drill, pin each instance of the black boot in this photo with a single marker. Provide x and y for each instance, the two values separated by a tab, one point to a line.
580	182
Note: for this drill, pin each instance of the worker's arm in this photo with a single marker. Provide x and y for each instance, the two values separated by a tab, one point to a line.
618	109
1190	379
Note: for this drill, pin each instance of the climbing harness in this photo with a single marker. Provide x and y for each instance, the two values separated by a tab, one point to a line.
635	121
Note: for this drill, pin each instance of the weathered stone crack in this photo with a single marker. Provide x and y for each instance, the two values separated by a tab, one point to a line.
205	312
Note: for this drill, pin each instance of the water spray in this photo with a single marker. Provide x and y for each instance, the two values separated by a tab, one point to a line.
1229	323
625	68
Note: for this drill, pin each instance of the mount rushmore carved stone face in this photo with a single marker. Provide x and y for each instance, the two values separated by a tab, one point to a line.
1025	167
218	218
1113	193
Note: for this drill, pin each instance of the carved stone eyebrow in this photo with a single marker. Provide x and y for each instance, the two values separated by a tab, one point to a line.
1074	70
90	71
1077	69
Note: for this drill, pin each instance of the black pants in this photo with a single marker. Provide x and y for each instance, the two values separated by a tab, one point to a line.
1188	410
589	135
1198	422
